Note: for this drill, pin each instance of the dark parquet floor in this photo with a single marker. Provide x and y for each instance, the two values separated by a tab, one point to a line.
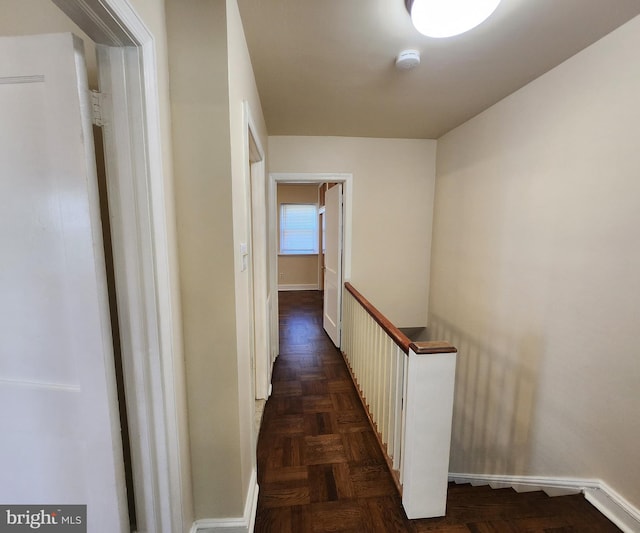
320	468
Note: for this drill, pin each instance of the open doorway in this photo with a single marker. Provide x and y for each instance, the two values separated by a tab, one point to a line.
275	282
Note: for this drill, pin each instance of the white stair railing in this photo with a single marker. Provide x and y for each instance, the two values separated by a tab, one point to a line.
407	389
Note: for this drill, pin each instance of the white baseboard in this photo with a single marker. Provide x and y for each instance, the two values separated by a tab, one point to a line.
243	524
304	287
614	507
599	494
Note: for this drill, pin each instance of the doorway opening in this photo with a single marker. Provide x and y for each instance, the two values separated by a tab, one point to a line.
345	182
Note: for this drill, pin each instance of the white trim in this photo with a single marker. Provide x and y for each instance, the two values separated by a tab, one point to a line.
611	504
614	507
127	206
254	174
144	254
251	126
243	524
299	287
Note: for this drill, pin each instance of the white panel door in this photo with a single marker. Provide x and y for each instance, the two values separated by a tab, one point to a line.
333	263
60	440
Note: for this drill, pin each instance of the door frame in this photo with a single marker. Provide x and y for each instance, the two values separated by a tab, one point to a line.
302	177
255	187
144	250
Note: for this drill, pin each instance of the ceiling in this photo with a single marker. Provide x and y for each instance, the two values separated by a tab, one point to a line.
326	67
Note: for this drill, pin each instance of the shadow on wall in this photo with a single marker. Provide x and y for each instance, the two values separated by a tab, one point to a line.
494	402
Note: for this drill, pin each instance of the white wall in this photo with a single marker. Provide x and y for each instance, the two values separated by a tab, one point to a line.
242	88
393	182
198	68
536	273
211	79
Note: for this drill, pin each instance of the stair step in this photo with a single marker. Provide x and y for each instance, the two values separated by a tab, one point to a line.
560	491
500	485
519	488
525	488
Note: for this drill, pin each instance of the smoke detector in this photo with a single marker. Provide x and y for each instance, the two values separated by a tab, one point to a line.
408	59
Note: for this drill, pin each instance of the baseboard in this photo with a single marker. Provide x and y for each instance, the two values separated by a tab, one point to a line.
301	287
614	507
599	494
243	524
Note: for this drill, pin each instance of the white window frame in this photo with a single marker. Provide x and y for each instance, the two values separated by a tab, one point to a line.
313	250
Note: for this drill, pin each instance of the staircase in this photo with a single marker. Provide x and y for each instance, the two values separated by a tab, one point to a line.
597	493
520	485
484	508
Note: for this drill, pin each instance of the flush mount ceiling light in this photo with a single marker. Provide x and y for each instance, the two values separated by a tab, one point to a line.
446	18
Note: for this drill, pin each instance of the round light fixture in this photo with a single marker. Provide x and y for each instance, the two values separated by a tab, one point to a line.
446	18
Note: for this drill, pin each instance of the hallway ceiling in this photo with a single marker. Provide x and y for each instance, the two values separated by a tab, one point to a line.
326	67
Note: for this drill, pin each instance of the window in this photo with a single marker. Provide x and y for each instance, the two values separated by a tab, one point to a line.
298	229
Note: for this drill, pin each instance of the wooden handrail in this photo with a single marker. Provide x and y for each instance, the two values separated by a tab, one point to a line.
398	337
420	348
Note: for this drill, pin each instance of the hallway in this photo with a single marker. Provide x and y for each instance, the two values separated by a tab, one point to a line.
320	468
319	465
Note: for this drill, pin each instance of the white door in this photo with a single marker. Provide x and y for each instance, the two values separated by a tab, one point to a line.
333	263
60	439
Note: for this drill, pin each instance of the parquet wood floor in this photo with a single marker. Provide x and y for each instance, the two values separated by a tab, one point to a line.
320	468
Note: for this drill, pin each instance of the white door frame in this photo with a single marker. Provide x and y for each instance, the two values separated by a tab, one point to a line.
144	255
255	185
293	177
